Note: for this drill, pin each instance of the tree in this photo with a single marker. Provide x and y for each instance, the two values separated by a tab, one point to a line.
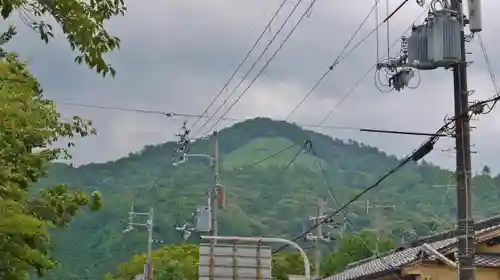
354	248
486	170
173	262
285	264
29	126
180	262
82	23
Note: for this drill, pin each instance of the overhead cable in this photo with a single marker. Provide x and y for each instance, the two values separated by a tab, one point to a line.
287	166
265	66
337	204
336	61
186	115
268	26
144	111
251	68
270	156
350	91
491	72
344	55
416	155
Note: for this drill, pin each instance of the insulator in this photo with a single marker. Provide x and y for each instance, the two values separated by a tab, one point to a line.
404	45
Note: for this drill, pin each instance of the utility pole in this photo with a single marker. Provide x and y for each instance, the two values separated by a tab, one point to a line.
215	191
319	234
319	221
148	268
369	206
465	222
216	194
424	52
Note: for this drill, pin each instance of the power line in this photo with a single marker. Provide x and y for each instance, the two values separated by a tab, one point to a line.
344	213
187	115
267	63
122	109
416	155
337	60
405	132
251	68
348	93
488	64
287	166
351	90
268	26
356	197
270	156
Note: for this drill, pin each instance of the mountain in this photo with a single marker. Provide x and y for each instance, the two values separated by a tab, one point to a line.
260	201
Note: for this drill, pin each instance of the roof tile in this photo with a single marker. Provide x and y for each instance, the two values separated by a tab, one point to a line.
396	259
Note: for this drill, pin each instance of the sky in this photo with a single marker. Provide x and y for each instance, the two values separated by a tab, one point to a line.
176	55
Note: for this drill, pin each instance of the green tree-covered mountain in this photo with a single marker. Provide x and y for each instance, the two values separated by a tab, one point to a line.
260	202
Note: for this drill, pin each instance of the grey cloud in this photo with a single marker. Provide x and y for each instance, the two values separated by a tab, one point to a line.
176	55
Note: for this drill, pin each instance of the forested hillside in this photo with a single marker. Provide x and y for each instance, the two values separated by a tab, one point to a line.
259	201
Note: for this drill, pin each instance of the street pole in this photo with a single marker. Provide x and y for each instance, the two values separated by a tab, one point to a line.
213	192
465	222
319	236
150	235
148	272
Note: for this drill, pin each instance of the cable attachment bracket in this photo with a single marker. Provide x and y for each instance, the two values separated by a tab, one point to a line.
397	72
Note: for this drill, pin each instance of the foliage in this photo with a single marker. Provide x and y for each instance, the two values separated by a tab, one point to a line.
29	125
82	23
259	203
174	262
285	264
354	248
180	262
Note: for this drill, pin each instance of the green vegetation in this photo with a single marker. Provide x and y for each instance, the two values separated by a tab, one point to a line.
40	231
81	22
180	262
170	263
29	125
258	202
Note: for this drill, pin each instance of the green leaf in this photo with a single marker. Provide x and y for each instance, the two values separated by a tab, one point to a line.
6	10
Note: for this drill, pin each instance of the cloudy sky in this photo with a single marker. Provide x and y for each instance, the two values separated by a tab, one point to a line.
177	54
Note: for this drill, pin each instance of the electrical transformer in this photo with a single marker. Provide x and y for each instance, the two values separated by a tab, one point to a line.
203	219
435	43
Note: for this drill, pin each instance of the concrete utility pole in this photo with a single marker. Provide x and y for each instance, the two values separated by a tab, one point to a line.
449	52
215	190
216	194
319	221
148	269
465	222
319	234
369	206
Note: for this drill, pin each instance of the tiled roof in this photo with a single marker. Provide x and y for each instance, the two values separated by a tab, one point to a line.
387	263
478	225
394	260
487	260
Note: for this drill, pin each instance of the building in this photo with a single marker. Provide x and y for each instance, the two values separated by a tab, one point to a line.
431	258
